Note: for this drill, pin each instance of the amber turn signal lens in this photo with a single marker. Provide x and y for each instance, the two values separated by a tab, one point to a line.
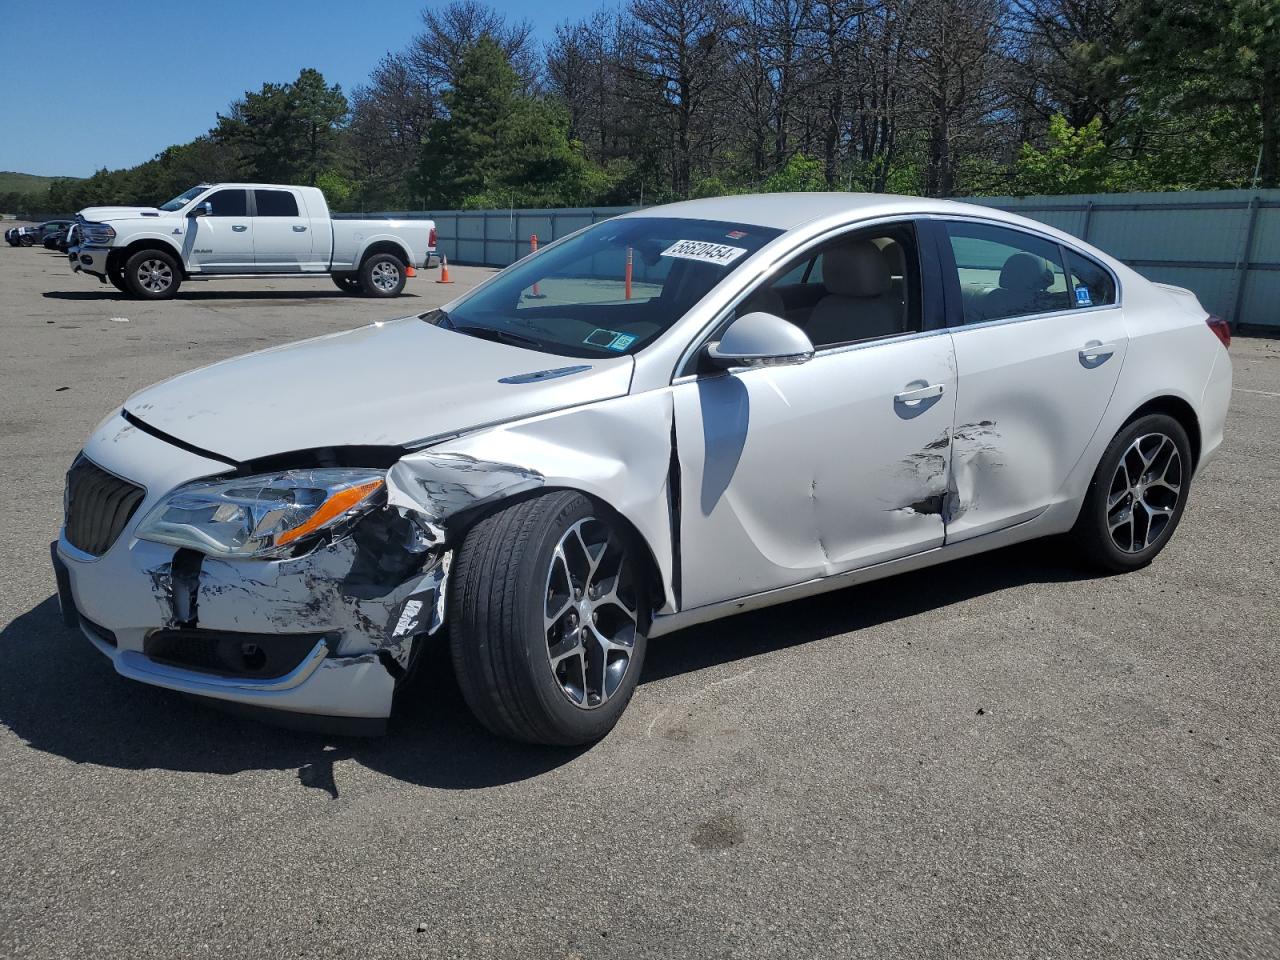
335	506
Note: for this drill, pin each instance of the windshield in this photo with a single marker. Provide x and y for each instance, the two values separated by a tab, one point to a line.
575	298
182	199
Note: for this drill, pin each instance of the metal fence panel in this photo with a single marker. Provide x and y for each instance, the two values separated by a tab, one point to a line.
1224	245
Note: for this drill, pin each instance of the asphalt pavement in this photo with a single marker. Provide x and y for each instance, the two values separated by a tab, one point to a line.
1005	757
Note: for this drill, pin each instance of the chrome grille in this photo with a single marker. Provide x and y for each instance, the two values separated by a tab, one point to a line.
98	506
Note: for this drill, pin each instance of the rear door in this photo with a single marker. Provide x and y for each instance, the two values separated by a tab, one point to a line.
282	234
223	241
1039	341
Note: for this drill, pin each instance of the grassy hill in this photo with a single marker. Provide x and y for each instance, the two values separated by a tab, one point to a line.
14	182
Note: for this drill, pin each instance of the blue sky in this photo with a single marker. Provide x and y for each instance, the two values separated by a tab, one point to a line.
112	84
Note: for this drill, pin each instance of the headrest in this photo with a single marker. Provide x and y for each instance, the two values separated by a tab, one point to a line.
856	269
764	300
1026	271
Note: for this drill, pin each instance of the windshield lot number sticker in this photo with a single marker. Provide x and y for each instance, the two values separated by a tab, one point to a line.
610	339
707	252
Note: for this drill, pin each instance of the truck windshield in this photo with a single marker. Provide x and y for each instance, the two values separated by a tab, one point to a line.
182	199
577	300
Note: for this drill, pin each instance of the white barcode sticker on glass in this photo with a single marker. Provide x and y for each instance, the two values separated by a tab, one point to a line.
705	251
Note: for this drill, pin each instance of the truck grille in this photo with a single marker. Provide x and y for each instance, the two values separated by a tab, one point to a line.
99	505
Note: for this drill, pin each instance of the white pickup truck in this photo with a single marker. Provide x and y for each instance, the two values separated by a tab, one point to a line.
247	230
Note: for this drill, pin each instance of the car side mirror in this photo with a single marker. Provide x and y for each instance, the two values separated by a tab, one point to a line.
760	339
204	209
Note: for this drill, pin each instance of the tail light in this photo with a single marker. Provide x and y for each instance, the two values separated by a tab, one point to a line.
431	238
1221	329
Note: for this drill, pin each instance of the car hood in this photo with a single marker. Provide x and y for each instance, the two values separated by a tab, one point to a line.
102	214
389	384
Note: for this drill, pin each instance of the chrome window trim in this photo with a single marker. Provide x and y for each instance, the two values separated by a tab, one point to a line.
700	340
1023	317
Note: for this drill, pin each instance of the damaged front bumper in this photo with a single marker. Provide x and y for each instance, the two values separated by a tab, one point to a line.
327	634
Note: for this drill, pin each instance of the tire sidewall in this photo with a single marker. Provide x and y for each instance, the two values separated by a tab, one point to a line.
131	274
369	288
580	725
1098	536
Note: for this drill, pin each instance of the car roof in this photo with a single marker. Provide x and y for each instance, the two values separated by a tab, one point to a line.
785	211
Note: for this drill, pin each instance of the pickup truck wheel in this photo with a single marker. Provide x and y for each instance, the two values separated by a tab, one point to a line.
115	273
547	620
347	283
152	275
382	275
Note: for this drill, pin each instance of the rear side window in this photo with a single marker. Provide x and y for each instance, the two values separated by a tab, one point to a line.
1007	273
275	203
1091	283
229	203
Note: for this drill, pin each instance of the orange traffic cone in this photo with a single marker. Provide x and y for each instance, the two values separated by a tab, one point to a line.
444	270
409	271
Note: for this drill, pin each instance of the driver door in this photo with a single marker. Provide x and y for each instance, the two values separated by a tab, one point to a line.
796	472
223	241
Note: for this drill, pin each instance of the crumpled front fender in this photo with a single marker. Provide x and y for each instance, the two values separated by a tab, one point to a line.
619	452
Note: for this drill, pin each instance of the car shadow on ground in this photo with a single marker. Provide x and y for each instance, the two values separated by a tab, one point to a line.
111	293
62	697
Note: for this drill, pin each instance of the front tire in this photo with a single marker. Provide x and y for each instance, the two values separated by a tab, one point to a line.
115	273
382	275
152	275
1137	495
547	619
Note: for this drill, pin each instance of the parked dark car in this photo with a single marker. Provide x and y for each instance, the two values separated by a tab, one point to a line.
51	232
11	236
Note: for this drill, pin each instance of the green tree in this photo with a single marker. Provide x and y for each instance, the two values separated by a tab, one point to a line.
287	132
1074	160
1209	54
499	145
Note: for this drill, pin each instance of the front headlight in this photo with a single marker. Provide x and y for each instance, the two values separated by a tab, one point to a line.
99	233
255	516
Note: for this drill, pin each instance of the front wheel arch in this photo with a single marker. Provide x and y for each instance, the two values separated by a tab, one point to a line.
460	524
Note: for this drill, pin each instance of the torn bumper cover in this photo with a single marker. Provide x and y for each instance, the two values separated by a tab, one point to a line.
326	633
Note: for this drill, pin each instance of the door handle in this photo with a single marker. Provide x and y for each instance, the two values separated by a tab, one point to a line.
911	398
298	229
1095	353
239	227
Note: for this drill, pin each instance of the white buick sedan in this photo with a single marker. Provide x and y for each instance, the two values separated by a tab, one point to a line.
669	417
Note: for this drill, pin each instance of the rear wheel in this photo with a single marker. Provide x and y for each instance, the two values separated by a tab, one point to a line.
152	275
548	609
382	275
1137	495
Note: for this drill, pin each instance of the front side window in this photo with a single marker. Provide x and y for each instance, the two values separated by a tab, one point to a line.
275	203
859	286
1091	283
1006	273
574	299
229	203
182	199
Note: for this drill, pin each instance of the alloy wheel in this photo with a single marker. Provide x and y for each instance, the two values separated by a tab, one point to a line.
385	275
155	276
1144	492
590	613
